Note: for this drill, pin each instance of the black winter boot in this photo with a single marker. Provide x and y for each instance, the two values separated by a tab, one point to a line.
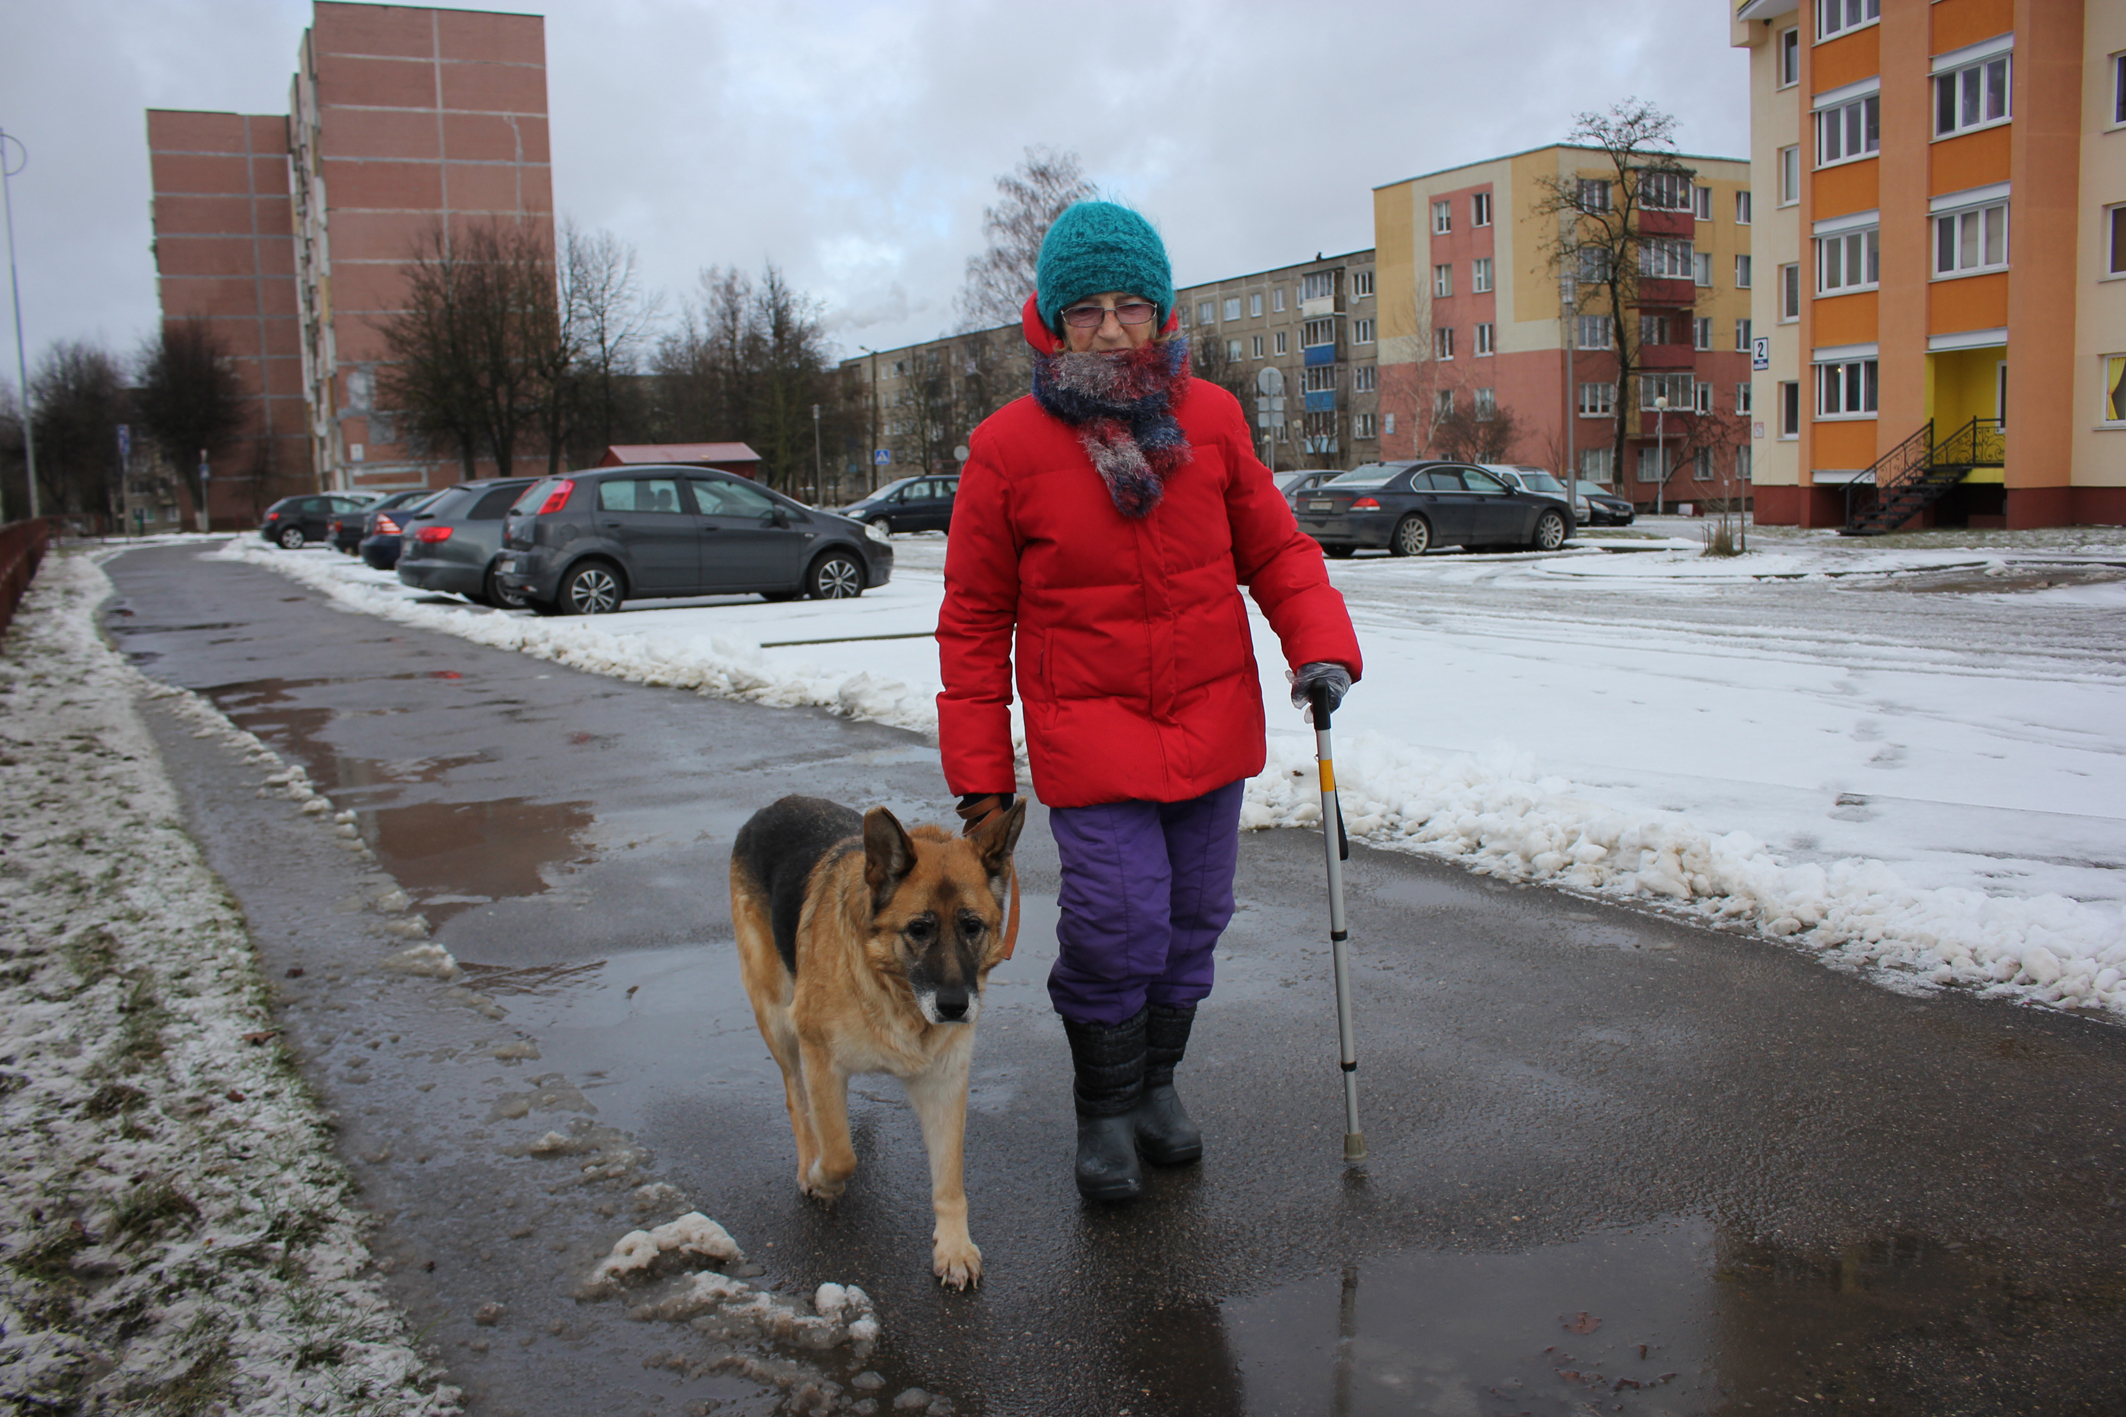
1110	1082
1165	1134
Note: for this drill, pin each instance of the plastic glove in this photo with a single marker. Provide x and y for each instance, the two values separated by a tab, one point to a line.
1332	679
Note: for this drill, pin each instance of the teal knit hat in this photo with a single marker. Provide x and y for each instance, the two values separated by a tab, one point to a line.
1095	247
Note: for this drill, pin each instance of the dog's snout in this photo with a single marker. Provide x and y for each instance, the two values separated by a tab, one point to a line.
952	1004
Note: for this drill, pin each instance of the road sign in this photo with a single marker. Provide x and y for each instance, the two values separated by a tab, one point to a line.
882	456
961	453
125	444
1761	352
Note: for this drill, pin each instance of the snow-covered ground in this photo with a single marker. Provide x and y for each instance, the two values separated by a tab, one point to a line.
175	1234
1903	755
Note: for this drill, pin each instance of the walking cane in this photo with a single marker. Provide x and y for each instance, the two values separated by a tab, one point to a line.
1337	847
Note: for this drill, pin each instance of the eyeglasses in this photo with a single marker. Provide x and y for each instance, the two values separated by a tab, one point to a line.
1086	317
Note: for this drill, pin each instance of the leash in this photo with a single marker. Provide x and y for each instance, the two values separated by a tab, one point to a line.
972	816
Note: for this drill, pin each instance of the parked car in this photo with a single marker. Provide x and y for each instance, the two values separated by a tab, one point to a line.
1598	506
383	524
347	529
911	504
450	544
1290	483
1410	507
581	544
292	521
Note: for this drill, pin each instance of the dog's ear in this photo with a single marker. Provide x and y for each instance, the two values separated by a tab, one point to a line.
888	856
995	838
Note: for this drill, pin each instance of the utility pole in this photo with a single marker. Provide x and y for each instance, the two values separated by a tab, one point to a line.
819	475
14	284
1660	449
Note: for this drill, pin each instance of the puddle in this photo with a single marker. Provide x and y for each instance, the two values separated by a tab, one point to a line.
451	856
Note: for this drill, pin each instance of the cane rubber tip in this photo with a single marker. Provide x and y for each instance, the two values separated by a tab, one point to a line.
1354	1146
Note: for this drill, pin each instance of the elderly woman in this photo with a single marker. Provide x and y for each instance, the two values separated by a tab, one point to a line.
1108	522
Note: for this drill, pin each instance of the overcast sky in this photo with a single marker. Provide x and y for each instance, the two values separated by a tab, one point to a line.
855	144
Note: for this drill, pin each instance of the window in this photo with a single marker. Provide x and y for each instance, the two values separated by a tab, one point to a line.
1849	261
1363	378
1594	332
1480	274
1790	409
1665	258
1597	464
1443	404
1742	336
1594	265
1974	96
1790	292
1317	285
1232	350
2118	88
1653	329
900	368
1361	284
1487	405
1361	332
1315	333
1361	425
1701	332
1480	209
1742	209
1703	275
1835	17
1593	194
1789	176
1255	304
1975	239
648	494
1745	399
1387	423
2114	410
1255	346
1321	379
1650	464
1180	317
1443	279
1701	465
1704	211
1232	307
2115	241
1665	191
1742	464
1206	311
1789	58
1277	343
1679	389
1442	218
1598	400
1443	342
1485	341
1702	398
1743	273
1277	299
1847	131
1845	388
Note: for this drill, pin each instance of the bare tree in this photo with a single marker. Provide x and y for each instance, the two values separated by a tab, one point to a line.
1475	434
1032	196
606	321
190	401
1212	360
75	397
1601	241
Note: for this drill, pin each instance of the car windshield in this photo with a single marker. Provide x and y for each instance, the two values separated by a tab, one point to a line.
1371	474
1541	482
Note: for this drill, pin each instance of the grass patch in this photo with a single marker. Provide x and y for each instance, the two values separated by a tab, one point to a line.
141	1017
51	1259
152	1208
196	1390
92	954
113	1098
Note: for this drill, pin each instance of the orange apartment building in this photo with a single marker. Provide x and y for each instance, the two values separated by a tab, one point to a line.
1471	314
290	233
1946	226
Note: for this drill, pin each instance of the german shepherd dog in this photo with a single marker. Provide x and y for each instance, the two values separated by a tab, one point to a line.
864	948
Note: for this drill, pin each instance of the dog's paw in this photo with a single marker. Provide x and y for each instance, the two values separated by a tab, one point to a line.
957	1263
821	1186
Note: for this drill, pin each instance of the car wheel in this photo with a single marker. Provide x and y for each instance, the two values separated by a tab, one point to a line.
1338	553
1413	536
500	598
291	538
590	589
884	524
835	576
1549	531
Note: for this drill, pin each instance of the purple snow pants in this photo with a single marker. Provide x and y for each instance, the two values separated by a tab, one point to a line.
1147	889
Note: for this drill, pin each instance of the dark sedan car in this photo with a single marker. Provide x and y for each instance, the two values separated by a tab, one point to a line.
1410	507
292	521
911	504
347	529
383	526
581	544
1601	507
450	543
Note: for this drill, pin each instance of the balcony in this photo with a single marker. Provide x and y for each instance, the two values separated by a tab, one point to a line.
1672	292
1654	358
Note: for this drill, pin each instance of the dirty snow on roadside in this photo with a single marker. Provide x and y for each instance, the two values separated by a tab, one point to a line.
175	1233
1941	812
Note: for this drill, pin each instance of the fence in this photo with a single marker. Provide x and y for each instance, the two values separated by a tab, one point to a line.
22	546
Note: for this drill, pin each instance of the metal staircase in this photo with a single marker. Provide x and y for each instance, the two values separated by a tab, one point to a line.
1916	474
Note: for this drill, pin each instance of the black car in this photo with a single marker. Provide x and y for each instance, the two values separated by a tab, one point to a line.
383	524
1410	507
347	529
911	504
292	521
1601	507
450	543
581	544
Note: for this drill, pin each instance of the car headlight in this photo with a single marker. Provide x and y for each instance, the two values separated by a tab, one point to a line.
876	532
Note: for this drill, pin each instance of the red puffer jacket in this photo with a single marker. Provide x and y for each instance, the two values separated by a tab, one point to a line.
1134	655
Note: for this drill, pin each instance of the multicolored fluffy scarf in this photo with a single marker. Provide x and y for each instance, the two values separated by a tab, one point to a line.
1121	403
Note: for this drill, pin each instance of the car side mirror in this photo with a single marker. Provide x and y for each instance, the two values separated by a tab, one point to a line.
777	516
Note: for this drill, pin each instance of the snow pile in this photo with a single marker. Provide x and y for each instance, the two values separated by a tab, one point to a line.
640	1253
723	1305
1494	815
174	1229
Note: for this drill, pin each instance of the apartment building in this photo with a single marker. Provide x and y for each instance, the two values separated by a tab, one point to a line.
292	232
1946	331
1482	309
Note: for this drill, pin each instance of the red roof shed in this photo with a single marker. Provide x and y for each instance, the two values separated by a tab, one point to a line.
724	457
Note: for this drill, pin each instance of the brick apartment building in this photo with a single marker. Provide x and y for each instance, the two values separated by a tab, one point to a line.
1472	316
1946	217
289	233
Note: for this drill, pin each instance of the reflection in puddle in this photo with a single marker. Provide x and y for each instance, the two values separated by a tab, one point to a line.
450	856
534	979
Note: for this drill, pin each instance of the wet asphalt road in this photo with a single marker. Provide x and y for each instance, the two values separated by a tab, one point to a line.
1618	1164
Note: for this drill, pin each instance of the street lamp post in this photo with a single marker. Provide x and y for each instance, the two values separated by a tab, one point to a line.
871	453
1568	305
1660	450
819	474
14	285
